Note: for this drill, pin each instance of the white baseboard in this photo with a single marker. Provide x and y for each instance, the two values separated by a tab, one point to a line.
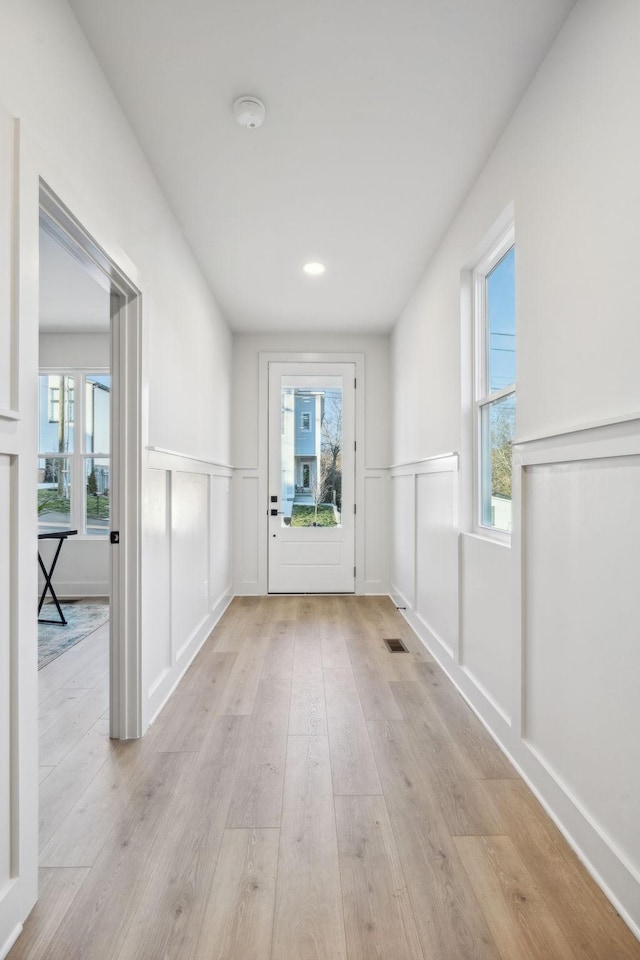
165	685
9	942
612	875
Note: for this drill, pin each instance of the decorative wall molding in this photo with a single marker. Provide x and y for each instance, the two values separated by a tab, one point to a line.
189	558
608	422
161	459
414	543
415	463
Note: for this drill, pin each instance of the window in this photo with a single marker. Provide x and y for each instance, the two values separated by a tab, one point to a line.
495	379
305	421
73	458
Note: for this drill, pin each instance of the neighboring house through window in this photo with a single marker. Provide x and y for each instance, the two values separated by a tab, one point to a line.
495	384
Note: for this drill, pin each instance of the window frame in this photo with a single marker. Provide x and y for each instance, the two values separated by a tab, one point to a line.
79	456
482	397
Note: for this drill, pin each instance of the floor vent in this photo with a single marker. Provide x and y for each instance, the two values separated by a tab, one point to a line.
396	646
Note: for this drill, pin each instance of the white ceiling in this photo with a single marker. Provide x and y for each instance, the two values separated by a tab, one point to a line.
71	301
380	114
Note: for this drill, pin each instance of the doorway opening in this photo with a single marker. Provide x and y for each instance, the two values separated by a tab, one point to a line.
73	503
89	457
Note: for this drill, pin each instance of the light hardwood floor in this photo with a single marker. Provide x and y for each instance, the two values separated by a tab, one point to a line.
305	794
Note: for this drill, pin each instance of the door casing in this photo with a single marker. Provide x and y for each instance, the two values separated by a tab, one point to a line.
264	359
320	560
125	699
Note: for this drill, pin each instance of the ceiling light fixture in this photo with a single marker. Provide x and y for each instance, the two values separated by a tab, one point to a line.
249	112
314	269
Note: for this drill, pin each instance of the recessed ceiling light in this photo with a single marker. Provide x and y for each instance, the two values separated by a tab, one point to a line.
314	269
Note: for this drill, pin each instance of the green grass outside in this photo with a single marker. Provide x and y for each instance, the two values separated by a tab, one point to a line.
50	502
304	516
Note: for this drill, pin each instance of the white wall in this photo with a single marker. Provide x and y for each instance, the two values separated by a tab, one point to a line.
250	463
79	350
546	652
74	135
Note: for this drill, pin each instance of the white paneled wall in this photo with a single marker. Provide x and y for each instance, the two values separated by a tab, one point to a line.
548	654
156	574
486	618
437	552
190	553
403	526
248	533
425	545
581	634
377	524
187	560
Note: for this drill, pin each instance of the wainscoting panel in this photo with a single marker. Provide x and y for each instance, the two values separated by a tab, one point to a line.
437	556
220	546
188	554
376	532
156	573
581	558
549	651
190	528
249	530
486	623
403	538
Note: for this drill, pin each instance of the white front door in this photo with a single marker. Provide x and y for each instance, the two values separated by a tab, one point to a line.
311	477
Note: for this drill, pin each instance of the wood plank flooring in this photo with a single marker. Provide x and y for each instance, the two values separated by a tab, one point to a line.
304	795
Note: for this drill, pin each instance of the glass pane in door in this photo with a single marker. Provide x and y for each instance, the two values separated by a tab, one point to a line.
311	454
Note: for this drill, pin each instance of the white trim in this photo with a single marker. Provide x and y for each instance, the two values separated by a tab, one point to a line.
411	463
578	428
9	414
556	802
10	941
189	651
155	463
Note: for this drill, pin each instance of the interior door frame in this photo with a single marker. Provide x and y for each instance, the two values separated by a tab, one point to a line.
264	359
125	680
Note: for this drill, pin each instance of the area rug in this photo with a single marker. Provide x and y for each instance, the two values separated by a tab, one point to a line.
82	619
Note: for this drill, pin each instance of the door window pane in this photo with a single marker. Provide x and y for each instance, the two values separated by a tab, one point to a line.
498	424
56	400
97	393
97	495
311	454
501	323
54	494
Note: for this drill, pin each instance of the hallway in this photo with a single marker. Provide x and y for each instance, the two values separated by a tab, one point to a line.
307	794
